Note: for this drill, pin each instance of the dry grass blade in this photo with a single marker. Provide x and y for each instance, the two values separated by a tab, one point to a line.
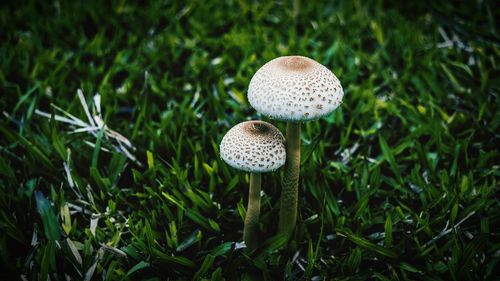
85	107
95	124
59	118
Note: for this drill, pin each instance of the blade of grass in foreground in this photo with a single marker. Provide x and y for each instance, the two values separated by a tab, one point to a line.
49	219
366	244
387	152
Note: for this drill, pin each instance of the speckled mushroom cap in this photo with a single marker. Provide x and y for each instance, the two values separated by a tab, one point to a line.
254	146
294	88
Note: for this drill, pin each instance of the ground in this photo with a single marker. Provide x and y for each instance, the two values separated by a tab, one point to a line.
399	183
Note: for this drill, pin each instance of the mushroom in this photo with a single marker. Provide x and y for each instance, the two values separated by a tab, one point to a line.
256	147
293	89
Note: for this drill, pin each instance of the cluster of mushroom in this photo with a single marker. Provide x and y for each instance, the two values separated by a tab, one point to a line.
292	89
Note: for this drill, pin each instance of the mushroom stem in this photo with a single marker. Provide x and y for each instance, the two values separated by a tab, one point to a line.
251	229
290	189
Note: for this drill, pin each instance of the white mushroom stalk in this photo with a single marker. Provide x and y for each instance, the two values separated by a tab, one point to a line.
293	89
256	147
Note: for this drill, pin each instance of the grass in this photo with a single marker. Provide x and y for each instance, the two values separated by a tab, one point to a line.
400	183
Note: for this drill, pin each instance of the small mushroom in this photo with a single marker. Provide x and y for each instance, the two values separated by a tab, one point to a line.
293	89
256	147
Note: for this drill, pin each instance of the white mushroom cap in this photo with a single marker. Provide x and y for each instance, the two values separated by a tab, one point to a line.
294	88
254	146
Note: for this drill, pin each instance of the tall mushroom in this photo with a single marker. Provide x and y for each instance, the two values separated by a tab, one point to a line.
293	89
256	147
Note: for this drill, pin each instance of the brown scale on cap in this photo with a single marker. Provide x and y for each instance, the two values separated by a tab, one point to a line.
296	63
256	128
294	88
254	146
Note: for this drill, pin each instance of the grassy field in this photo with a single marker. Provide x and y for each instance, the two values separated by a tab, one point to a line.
400	183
